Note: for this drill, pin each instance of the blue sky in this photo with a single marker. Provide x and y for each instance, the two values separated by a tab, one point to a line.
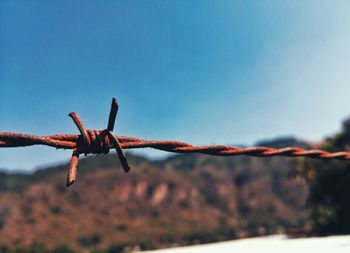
230	72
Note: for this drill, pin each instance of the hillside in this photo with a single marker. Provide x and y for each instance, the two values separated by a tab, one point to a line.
181	200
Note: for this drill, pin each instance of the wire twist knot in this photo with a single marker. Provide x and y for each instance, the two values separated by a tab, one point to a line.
94	142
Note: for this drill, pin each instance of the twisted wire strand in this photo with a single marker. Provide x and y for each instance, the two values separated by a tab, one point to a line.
71	141
101	141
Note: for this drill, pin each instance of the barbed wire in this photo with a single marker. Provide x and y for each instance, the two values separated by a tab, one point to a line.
101	141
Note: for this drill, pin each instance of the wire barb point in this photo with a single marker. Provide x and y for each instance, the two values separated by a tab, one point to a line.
95	142
112	114
72	171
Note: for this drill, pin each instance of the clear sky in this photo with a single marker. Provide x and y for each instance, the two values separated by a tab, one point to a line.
225	72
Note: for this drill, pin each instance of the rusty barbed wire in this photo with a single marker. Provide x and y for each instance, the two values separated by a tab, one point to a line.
101	141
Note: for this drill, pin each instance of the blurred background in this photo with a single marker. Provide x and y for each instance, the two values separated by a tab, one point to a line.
272	73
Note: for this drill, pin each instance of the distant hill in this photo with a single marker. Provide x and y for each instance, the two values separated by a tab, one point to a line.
183	199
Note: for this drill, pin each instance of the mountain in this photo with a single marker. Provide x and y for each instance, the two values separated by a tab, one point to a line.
181	200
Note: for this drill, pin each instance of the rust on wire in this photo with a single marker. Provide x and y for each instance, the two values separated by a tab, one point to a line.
101	141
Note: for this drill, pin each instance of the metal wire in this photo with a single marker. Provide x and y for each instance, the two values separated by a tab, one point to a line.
101	141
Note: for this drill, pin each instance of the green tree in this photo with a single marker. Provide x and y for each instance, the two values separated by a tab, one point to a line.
329	183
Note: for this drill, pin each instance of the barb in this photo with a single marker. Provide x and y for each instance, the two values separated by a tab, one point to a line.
101	141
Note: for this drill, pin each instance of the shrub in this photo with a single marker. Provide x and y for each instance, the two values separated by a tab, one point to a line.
90	241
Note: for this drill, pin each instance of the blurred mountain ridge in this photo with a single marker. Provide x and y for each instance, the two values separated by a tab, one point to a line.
183	199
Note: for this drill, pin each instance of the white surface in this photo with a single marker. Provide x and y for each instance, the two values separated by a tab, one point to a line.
270	244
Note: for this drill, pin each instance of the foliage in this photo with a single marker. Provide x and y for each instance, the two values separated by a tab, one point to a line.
89	241
36	248
330	188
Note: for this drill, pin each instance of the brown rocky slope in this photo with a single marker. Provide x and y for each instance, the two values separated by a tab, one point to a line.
183	199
